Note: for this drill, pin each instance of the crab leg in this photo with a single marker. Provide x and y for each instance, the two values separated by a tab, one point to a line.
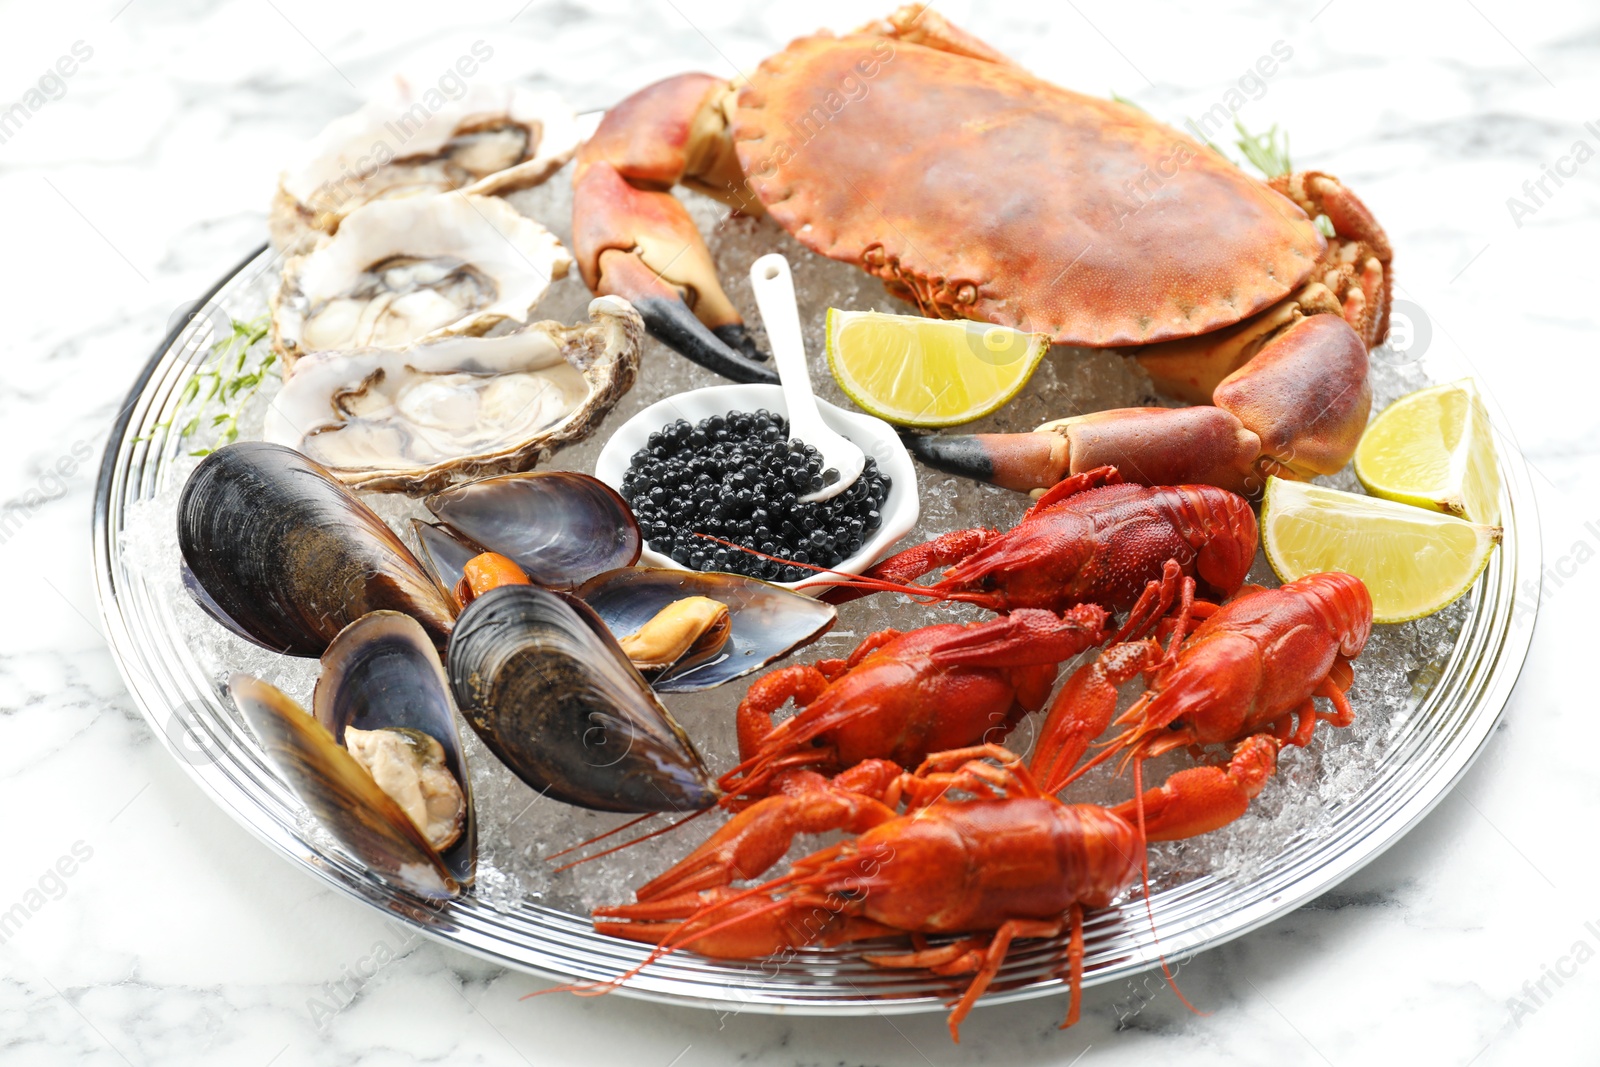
1150	446
1357	267
634	239
1296	409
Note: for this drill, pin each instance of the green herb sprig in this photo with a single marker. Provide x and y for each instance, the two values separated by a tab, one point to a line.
1269	153
223	379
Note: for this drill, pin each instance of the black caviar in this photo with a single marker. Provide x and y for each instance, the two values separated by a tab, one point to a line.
739	477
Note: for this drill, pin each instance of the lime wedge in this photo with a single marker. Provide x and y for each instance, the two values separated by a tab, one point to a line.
928	372
1414	562
1434	449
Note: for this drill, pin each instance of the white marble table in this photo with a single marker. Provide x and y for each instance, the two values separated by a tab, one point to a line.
174	937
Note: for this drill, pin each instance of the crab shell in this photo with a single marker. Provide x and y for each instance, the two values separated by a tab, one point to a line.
857	145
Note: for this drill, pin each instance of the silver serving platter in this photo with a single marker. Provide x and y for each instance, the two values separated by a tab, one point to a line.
187	712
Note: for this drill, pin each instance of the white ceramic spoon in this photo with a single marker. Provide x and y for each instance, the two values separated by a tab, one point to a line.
774	289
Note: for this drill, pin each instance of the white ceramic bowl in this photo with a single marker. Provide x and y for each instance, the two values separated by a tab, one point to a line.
876	438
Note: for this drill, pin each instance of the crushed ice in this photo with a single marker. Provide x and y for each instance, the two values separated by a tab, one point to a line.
518	829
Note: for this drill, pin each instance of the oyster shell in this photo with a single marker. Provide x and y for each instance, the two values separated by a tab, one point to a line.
402	271
414	419
495	139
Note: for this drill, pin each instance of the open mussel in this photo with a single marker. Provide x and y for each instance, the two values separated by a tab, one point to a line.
340	793
289	557
688	631
444	552
383	695
561	527
764	622
540	678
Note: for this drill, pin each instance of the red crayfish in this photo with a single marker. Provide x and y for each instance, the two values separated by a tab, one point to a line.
972	844
979	850
1091	539
1251	666
1090	544
900	696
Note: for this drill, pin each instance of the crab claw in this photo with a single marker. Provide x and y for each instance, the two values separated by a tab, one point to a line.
634	239
726	350
1149	446
1020	461
1306	396
1296	409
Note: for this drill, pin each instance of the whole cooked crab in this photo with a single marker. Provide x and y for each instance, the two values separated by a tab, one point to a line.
920	154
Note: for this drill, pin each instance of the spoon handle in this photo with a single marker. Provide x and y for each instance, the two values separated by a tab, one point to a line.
774	289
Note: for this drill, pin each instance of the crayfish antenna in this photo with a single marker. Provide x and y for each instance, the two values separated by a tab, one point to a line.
858	581
1144	877
672	943
626	844
630	824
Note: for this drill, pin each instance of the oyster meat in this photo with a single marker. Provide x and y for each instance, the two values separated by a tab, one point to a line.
413	419
402	271
494	139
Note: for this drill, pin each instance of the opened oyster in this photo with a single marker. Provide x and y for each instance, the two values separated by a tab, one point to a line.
495	139
402	271
413	419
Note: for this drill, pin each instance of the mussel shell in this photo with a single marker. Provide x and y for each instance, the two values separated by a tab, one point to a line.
538	676
198	594
768	620
561	527
340	793
382	672
291	556
444	552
